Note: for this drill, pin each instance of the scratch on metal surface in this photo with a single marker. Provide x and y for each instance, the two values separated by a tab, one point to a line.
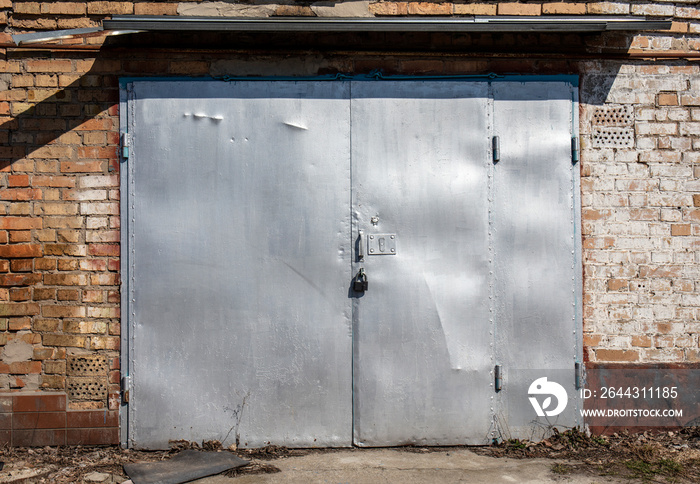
306	279
295	125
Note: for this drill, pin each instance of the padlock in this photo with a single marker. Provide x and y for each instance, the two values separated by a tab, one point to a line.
360	283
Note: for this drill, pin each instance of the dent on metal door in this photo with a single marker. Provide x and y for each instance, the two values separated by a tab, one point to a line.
423	352
239	243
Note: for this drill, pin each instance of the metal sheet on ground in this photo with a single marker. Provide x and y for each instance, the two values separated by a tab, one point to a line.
183	467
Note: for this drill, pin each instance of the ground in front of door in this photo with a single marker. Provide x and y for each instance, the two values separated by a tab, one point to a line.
570	457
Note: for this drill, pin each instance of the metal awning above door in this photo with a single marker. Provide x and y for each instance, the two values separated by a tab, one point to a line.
377	24
123	24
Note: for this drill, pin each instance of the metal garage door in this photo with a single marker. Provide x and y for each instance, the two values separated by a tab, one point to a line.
250	207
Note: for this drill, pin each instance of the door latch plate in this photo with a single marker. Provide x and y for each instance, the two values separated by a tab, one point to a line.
381	244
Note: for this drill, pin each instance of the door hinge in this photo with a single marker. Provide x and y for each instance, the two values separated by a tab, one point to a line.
575	148
498	378
126	386
125	142
577	375
496	149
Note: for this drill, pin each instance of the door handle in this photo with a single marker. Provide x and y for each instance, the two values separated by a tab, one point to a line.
361	246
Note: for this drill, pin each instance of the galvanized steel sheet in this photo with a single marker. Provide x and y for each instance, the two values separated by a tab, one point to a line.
534	249
240	239
243	208
422	352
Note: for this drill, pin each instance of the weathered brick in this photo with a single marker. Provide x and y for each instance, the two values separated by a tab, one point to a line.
99	208
21	194
83	166
47	326
293	11
20	223
62	312
64	340
613	355
68	264
151	8
519	9
18	309
49	66
32	8
53	382
19	236
93	265
667	99
389	8
474	9
63	8
53	181
18	181
427	8
690	99
687	12
103	312
98	181
85	327
69	236
564	8
102	236
52	151
65	279
20	251
20	324
21	265
618	284
24	279
93	296
680	229
60	208
97	152
105	343
652	9
41	353
65	249
110	8
68	295
53	367
24	367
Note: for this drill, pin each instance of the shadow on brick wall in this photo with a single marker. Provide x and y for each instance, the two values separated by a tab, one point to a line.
63	112
61	107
